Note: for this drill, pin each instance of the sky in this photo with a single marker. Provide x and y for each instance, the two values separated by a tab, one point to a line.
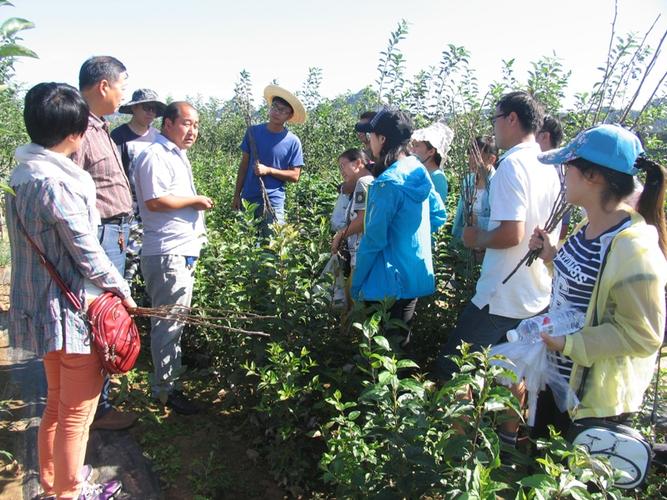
198	47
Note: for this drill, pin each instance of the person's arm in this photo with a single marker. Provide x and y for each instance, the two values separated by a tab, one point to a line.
356	226
540	241
438	212
294	160
67	212
240	179
634	321
382	206
507	235
171	202
288	175
509	203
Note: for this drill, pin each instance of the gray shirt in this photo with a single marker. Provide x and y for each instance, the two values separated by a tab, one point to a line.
163	169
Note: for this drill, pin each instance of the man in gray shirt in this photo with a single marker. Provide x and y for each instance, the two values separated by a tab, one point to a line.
174	233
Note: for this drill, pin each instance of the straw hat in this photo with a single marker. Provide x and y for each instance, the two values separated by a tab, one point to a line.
439	135
299	115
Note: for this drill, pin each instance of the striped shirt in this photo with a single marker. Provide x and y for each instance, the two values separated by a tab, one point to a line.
99	156
576	269
56	215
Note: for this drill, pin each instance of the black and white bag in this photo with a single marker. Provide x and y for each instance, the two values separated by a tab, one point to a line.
624	448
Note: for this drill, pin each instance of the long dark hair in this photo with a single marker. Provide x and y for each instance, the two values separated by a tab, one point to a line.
389	155
620	185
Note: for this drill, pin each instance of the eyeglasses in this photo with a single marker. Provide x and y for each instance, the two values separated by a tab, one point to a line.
495	117
148	107
282	110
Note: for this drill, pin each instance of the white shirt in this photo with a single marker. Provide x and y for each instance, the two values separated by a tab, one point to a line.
164	169
523	189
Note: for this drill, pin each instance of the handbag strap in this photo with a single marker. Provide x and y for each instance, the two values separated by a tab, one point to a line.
74	300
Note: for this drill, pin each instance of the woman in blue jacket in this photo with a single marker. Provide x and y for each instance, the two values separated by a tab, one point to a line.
394	257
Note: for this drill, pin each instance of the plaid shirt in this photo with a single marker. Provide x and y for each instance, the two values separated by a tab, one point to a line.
99	156
41	319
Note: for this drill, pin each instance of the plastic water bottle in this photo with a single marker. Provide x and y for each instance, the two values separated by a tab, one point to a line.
556	322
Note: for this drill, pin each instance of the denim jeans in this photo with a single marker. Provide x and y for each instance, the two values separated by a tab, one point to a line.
268	218
477	327
169	280
109	236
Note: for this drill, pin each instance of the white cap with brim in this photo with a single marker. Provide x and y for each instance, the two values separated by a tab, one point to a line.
607	145
299	115
439	135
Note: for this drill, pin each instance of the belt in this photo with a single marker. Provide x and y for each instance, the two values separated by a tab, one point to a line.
118	219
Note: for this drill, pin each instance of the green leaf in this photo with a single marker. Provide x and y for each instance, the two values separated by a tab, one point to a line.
6	188
384	377
538	481
15	50
406	363
382	342
14	25
354	415
410	384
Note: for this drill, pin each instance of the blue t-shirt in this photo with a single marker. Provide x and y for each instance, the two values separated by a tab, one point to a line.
280	150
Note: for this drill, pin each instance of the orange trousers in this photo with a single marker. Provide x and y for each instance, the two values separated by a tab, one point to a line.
74	384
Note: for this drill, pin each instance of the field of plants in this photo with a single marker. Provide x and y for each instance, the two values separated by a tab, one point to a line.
324	408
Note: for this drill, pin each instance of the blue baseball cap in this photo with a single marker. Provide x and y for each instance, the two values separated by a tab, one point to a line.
607	145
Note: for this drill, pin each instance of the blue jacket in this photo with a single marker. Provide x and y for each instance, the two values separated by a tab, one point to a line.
394	256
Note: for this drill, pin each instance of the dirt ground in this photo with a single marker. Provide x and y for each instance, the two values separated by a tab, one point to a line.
203	456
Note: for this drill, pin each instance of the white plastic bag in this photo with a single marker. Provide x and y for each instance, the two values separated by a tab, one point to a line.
529	362
332	283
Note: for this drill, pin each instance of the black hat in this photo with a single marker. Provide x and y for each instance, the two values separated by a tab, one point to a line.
395	125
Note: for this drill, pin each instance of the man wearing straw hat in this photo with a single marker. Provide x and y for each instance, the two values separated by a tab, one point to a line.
174	233
279	157
132	138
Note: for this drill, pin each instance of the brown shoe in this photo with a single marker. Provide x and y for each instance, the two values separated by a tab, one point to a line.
114	420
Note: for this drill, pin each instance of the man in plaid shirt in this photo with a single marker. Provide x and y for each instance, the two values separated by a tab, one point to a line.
102	82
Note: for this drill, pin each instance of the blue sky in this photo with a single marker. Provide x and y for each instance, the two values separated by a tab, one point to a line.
184	48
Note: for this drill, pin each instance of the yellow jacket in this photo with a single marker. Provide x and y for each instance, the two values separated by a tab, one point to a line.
621	350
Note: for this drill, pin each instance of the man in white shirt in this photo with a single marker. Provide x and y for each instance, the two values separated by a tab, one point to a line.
521	197
174	233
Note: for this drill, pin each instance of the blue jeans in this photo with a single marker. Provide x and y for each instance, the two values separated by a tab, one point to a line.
268	218
109	236
477	327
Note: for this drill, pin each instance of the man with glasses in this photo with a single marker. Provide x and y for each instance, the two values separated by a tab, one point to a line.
102	82
279	158
132	138
521	197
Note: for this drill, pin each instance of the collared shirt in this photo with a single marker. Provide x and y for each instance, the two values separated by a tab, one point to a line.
99	156
61	219
523	189
164	169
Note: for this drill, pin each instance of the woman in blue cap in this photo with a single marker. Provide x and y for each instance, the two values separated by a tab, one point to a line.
612	267
394	256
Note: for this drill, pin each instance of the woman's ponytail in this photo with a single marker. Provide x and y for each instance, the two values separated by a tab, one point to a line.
651	203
